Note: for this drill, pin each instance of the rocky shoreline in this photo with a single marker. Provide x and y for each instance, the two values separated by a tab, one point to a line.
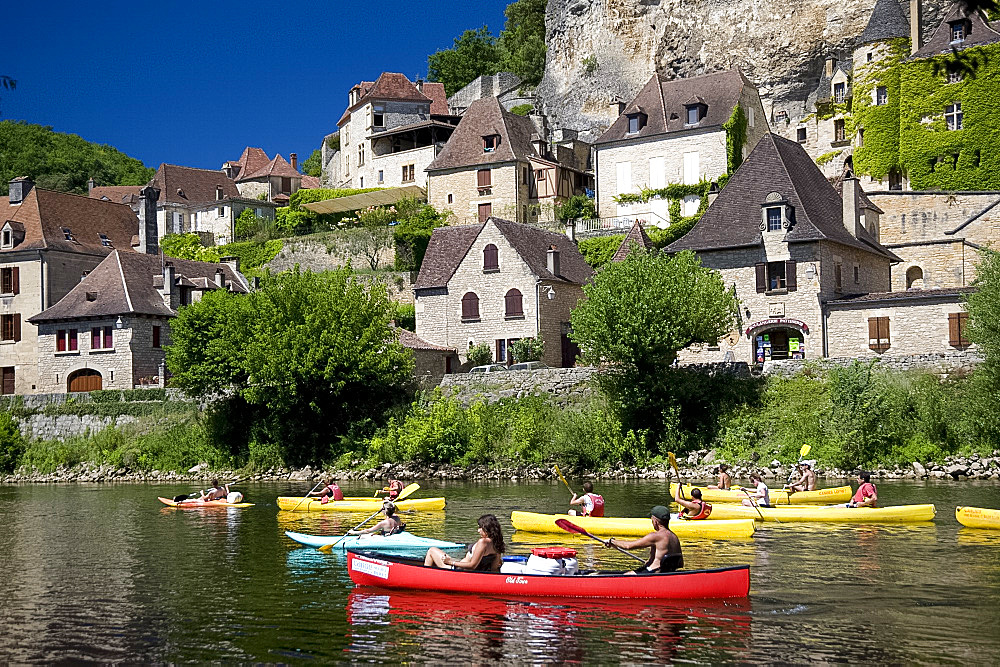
698	465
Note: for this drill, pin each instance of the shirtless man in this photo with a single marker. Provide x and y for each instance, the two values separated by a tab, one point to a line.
725	481
664	547
217	492
807	481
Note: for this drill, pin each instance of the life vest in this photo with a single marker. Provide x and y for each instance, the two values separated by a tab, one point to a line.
598	505
395	488
703	513
335	494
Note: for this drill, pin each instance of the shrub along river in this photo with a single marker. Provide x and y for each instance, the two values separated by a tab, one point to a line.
106	573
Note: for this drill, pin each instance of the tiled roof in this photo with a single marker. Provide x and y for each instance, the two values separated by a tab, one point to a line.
119	194
250	161
45	213
636	237
187	185
886	22
439	101
663	101
125	283
278	166
309	182
410	340
449	246
486	117
782	166
393	86
910	294
981	33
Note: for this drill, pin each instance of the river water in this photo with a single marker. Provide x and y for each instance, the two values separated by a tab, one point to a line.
106	573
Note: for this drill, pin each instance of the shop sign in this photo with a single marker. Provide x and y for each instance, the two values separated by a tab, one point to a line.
777	322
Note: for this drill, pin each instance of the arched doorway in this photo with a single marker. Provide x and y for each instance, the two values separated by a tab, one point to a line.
914	278
85	379
777	343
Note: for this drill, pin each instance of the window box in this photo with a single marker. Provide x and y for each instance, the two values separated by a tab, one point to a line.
513	317
470	320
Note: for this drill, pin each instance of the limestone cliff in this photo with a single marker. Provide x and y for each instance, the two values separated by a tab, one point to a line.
780	46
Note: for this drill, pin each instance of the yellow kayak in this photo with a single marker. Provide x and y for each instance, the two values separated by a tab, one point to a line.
837	494
832	514
636	527
978	517
296	503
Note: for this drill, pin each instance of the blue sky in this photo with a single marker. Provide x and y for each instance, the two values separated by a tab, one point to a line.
193	83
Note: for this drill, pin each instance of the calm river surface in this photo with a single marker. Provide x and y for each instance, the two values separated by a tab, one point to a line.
106	573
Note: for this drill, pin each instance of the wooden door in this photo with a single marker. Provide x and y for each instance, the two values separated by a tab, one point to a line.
7	383
570	350
86	379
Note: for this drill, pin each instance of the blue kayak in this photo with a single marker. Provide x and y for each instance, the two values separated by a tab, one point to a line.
397	542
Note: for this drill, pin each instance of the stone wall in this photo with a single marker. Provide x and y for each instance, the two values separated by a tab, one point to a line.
462	187
945	363
325	253
564	384
391	166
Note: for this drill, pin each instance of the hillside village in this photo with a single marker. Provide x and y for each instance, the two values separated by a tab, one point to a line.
847	226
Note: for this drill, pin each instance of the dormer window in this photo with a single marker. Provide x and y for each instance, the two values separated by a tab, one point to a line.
68	234
776	213
8	238
105	241
959	30
491	142
839	92
219	194
694	113
636	121
774	219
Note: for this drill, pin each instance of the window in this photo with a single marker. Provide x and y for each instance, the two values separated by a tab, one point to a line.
156	336
881	95
484	181
451	198
953	116
954	76
67	340
485	211
838	130
800	135
750	117
470	307
914	278
409	173
838	284
774	219
101	338
693	114
7	385
105	241
8	238
868	56
362	183
878	333
861	137
491	260
501	354
692	171
10	280
361	154
514	305
490	142
958	31
10	327
219	195
222	211
773	276
636	121
378	115
839	92
895	179
958	324
381	176
857	274
525	176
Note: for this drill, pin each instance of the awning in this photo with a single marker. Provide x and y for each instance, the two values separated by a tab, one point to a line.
366	199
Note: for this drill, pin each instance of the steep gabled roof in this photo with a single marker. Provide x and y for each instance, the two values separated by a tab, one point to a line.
486	117
663	101
390	86
980	34
250	161
187	185
309	182
886	22
439	100
45	213
278	166
410	340
445	251
776	165
636	237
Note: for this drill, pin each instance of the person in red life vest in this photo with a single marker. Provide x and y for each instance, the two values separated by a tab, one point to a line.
867	494
330	491
694	509
593	504
392	489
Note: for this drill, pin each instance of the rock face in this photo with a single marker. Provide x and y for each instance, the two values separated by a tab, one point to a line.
601	49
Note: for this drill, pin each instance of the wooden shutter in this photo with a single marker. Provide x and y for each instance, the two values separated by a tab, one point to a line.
74	344
954	335
470	306
878	334
16	279
108	339
873	333
8	380
485	211
514	303
156	336
61	340
761	269
790	276
484	178
17	327
95	338
491	261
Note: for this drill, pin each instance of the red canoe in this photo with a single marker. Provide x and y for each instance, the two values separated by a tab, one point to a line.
196	504
394	572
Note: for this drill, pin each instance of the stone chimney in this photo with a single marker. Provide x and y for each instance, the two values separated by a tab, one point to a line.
617	107
90	185
850	190
149	241
419	84
916	25
293	158
167	291
19	189
713	192
553	260
220	278
830	67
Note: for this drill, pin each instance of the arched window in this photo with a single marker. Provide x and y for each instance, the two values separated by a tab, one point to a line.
470	307
914	278
491	261
514	304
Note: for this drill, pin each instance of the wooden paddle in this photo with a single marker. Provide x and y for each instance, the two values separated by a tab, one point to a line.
327	548
803	452
673	464
182	497
571	527
753	503
307	495
559	473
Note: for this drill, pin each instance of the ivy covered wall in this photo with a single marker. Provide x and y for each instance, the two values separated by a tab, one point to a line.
880	152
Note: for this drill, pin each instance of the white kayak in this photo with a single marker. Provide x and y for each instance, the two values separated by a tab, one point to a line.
397	542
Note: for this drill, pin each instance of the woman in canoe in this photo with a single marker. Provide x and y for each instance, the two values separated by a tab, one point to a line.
390	525
486	555
725	481
330	491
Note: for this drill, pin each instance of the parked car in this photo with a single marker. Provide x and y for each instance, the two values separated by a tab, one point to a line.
488	368
527	366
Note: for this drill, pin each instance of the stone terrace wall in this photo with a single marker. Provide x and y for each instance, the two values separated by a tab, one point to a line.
948	363
564	384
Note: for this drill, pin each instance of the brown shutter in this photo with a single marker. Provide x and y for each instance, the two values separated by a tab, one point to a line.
790	276
156	336
873	333
954	335
16	279
17	327
761	269
484	179
883	333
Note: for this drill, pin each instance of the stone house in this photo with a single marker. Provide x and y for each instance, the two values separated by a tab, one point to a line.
110	330
499	163
505	86
496	282
429	359
808	269
48	242
391	131
270	179
675	133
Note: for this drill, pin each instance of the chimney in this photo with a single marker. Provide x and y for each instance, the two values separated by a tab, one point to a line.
553	260
420	84
713	192
831	65
90	185
617	107
294	159
167	291
916	25
220	278
19	189
149	241
233	262
850	190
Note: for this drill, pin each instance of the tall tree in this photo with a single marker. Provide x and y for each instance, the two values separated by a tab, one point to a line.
313	165
475	53
522	41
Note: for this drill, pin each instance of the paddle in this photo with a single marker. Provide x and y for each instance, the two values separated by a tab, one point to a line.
803	452
570	527
559	473
753	503
307	495
673	464
185	496
327	548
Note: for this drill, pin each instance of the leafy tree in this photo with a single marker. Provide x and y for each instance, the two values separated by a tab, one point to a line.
11	443
417	222
306	360
248	223
376	234
475	53
522	41
575	208
598	250
527	349
313	165
984	331
481	354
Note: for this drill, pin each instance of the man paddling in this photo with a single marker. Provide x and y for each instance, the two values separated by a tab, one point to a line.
807	479
217	492
761	497
330	491
593	504
867	494
664	547
693	509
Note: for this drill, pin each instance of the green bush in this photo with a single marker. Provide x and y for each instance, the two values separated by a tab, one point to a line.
406	316
527	349
416	223
481	354
522	109
599	250
575	208
11	443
